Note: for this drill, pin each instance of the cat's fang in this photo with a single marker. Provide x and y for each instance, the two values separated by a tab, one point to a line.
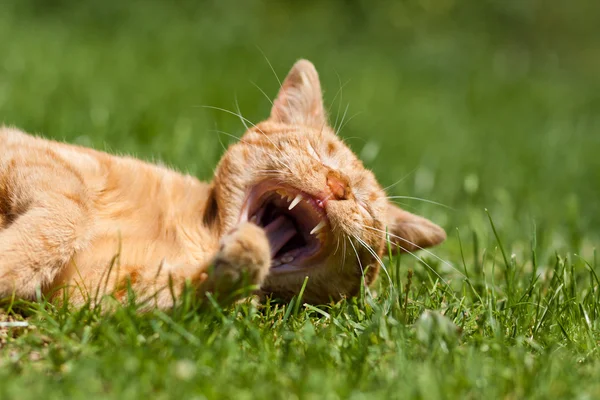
295	202
317	228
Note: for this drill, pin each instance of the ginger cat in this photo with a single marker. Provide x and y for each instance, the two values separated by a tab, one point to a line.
289	200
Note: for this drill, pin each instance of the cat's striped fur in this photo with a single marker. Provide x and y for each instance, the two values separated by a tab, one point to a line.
76	219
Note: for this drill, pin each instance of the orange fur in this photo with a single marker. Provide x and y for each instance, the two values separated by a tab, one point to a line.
82	219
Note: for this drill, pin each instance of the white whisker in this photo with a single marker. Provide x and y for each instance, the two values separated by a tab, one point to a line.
339	92
335	128
270	66
227	134
257	128
346	123
249	144
280	84
423	261
417	246
401	179
263	92
222	144
370	250
237	106
232	113
420	199
360	265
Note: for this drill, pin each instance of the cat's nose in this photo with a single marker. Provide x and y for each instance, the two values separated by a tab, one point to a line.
338	185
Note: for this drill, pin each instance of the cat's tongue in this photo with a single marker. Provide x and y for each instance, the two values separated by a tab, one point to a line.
279	232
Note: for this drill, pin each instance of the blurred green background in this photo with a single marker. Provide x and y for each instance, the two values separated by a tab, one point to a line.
475	103
471	103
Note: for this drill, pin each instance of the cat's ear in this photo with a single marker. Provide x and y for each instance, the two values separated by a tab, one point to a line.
409	232
300	100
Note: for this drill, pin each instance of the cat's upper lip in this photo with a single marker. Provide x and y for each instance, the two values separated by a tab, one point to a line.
307	214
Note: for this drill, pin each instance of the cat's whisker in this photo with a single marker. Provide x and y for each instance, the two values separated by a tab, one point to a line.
270	66
237	106
421	260
388	234
406	206
256	127
278	81
421	199
413	244
222	144
232	113
360	265
239	113
374	254
400	180
428	266
341	93
228	134
355	138
263	92
335	128
235	137
347	121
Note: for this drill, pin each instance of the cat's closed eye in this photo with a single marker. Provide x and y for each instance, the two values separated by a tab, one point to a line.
289	204
324	213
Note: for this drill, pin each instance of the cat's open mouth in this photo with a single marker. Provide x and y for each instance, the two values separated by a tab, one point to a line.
296	226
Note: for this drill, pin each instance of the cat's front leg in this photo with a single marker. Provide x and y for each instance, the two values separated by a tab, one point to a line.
240	265
242	261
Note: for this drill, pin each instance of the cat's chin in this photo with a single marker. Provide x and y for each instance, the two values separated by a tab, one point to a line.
295	222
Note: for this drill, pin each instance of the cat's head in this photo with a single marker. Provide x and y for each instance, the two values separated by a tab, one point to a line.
325	215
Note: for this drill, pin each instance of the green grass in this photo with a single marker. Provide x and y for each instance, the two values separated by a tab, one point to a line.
476	104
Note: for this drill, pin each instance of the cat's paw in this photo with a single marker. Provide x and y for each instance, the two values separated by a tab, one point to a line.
243	258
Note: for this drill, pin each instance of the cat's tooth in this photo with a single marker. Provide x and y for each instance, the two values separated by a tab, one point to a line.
295	202
287	259
317	228
253	219
275	263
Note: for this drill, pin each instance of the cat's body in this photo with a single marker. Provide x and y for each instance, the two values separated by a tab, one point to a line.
76	218
89	207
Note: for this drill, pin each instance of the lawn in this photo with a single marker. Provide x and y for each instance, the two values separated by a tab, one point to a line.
483	115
